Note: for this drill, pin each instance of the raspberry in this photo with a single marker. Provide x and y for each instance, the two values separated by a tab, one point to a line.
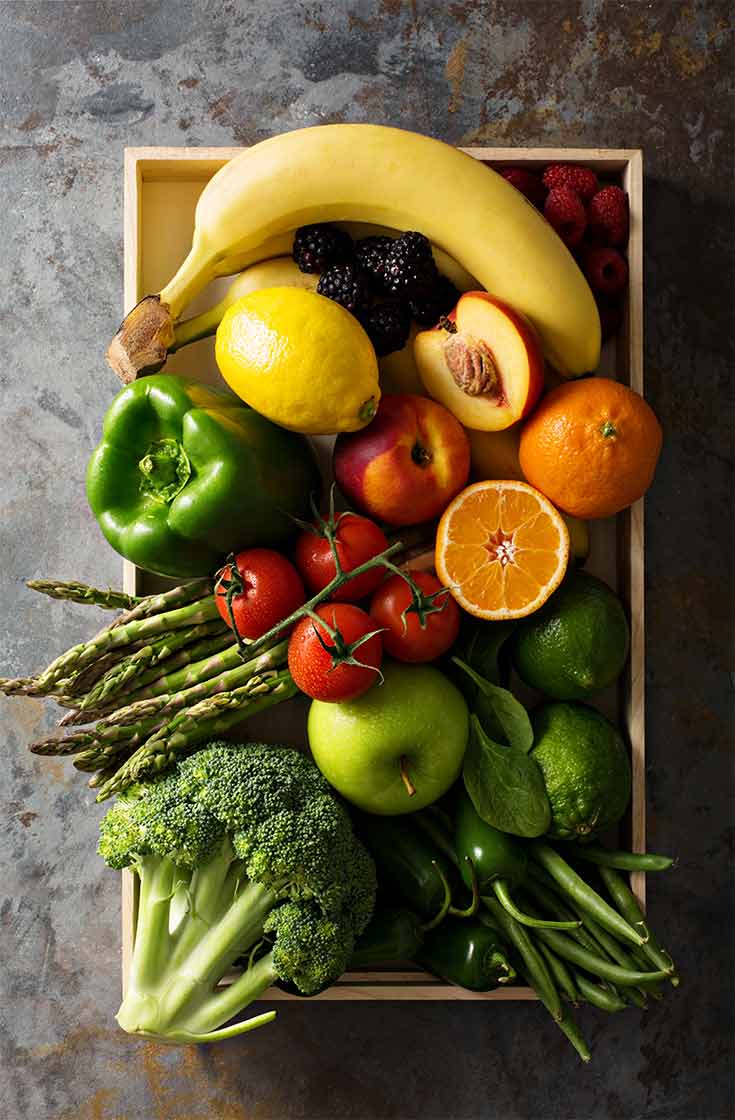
527	182
582	180
611	316
606	271
607	215
565	212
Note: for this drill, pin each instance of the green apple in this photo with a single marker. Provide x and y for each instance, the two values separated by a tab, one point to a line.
397	747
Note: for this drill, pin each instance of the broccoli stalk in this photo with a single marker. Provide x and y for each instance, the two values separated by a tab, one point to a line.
242	852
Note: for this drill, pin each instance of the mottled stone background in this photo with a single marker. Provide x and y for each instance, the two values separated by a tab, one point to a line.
79	81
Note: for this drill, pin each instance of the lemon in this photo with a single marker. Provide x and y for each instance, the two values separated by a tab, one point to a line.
300	359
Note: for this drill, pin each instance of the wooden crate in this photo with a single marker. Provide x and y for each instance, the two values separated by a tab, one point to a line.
162	186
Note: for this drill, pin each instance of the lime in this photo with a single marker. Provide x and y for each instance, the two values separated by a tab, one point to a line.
577	643
585	767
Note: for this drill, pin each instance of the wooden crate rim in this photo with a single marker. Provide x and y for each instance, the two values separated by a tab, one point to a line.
141	164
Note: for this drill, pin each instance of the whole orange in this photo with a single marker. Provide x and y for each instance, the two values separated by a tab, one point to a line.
591	447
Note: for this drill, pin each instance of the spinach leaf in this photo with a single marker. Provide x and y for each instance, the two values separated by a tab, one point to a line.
505	785
501	715
480	645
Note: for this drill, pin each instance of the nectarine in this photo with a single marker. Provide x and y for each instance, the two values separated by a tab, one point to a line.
407	465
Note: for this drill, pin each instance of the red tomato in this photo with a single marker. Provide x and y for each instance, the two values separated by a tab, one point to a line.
412	642
313	667
272	590
357	539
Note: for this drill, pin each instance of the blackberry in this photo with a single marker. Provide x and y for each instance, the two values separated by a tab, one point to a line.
410	271
440	301
317	247
371	254
387	325
345	284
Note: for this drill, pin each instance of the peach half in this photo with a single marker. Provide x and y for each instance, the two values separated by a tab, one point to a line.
483	362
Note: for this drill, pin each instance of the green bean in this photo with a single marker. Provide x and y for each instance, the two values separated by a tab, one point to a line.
595	938
570	950
627	903
591	936
540	979
573	1033
634	960
560	973
623	861
546	897
582	893
596	995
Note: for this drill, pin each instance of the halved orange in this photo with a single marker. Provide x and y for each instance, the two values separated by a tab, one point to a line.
501	549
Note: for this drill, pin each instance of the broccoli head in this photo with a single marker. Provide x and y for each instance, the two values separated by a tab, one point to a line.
242	850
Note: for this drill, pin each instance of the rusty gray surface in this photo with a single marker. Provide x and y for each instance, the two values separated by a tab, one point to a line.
79	81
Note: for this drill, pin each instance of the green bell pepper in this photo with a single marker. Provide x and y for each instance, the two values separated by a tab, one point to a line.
186	473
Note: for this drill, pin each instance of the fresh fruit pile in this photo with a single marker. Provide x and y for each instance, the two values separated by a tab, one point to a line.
406	621
592	220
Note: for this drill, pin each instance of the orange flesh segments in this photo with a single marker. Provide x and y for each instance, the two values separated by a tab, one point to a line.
501	549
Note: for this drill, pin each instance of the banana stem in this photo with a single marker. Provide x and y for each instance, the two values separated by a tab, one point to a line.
198	326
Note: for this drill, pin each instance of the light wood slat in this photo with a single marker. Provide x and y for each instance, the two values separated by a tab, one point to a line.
156	165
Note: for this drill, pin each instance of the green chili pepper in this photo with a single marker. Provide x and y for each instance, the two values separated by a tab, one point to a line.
409	866
393	934
499	860
186	473
467	953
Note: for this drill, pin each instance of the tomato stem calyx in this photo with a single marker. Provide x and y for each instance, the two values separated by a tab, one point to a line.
340	651
422	604
229	580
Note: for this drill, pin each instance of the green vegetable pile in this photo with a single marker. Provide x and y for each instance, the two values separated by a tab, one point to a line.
556	931
242	852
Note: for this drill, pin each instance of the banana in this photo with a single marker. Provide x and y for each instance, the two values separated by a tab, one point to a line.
383	176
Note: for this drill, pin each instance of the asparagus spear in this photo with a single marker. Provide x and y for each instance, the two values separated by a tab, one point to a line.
101	776
210	717
155	652
193	672
75	592
203	610
67	690
137	721
165	601
83	740
168	703
206	647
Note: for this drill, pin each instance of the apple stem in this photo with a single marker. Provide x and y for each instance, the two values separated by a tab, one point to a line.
410	787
